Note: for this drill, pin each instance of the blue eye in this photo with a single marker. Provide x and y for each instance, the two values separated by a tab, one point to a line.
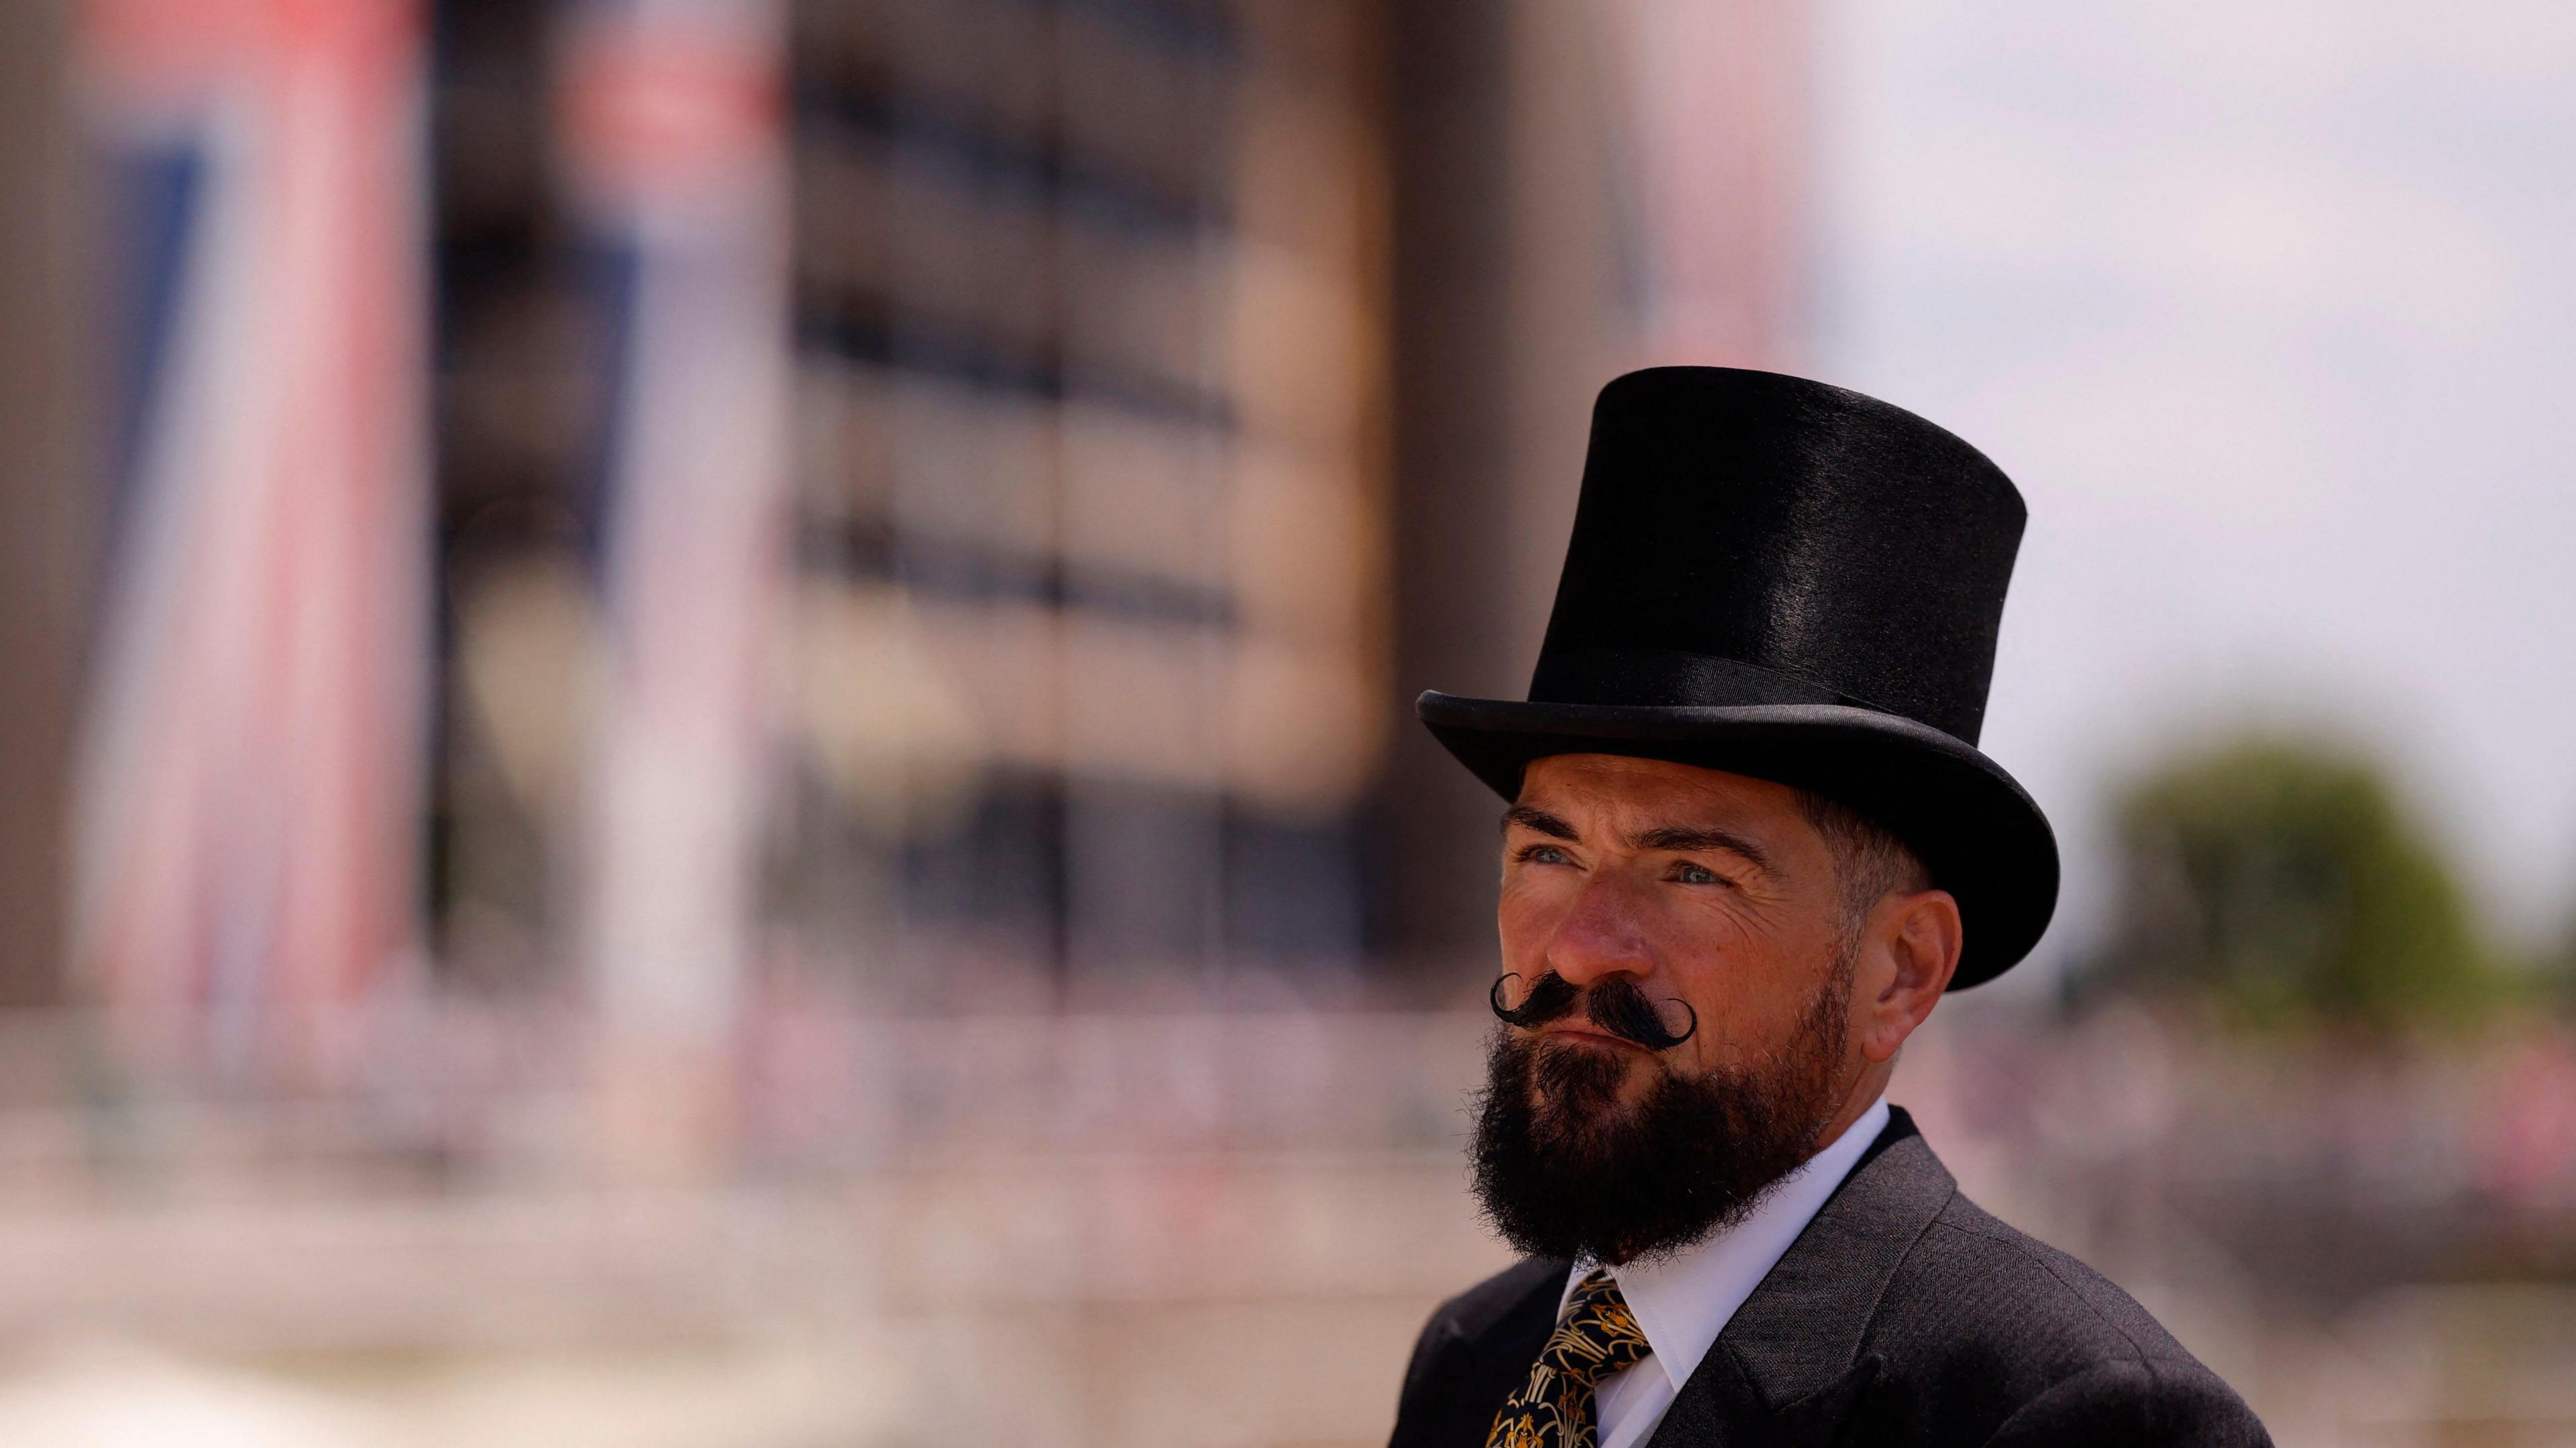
1690	874
1542	855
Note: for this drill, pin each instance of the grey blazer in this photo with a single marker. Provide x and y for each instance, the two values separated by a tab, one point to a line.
1903	1314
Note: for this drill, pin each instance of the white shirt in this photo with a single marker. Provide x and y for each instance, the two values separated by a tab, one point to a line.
1683	1301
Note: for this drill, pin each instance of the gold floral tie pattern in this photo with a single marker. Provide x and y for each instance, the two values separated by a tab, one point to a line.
1595	1336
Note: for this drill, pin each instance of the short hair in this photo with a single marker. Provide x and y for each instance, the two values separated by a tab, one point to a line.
1870	861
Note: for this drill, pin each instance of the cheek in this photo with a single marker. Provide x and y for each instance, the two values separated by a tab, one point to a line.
1525	917
1752	994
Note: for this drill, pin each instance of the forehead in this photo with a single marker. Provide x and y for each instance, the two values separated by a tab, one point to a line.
1656	791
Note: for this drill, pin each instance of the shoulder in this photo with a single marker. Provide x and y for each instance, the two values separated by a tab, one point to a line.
2001	1333
1485	1306
1976	1281
1503	1305
1469	1349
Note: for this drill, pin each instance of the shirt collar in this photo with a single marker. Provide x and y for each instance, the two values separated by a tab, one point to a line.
1683	1300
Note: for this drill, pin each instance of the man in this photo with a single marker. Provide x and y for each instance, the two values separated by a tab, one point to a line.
1751	842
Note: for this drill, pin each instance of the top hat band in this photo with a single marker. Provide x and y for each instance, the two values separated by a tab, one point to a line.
1670	679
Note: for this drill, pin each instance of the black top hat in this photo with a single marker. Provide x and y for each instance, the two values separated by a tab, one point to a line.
1783	579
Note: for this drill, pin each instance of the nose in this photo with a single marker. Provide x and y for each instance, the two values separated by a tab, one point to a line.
1603	935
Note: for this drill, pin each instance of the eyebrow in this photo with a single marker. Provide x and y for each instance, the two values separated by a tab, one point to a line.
1539	821
1676	837
1680	838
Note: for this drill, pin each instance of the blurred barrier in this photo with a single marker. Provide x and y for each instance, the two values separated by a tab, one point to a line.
963	1230
1073	1210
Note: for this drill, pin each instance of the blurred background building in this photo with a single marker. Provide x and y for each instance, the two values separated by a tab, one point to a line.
708	720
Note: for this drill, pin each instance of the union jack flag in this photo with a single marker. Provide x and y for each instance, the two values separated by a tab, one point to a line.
248	807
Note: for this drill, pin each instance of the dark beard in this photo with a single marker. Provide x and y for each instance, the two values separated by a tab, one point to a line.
1566	1169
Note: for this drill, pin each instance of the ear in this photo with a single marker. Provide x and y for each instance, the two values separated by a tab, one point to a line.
1909	952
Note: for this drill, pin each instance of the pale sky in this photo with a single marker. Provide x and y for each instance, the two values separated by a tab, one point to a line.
2270	310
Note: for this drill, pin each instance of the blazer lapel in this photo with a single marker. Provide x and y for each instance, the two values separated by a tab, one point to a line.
1788	1369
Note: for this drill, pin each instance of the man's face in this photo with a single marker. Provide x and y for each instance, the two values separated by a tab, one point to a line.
1708	889
1642	901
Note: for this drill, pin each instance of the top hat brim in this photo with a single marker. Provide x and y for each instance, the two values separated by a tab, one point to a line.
1974	827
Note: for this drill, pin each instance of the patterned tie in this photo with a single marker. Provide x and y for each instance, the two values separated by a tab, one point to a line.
1595	1337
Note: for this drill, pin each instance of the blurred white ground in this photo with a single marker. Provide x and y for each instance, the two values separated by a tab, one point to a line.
1269	1299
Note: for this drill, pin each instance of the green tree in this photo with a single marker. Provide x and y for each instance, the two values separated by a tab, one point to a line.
2555	981
2282	878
